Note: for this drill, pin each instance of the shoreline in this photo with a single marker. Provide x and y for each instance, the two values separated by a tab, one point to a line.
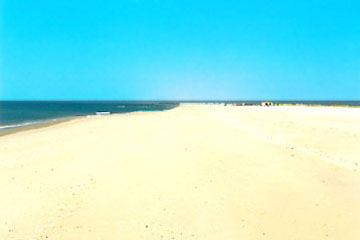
49	123
34	126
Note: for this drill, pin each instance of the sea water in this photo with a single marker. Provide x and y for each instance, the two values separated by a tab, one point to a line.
14	114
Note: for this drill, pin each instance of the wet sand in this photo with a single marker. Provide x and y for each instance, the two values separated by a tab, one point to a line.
32	127
193	172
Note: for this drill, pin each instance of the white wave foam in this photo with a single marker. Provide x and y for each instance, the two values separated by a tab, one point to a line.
19	125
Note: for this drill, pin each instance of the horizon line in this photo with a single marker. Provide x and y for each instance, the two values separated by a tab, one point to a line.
184	100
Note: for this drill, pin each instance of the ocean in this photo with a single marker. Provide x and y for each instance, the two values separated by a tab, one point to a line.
15	114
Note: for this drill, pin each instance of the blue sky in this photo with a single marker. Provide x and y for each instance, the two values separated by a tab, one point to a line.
165	49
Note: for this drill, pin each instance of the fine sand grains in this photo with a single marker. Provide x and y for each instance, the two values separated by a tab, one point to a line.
194	172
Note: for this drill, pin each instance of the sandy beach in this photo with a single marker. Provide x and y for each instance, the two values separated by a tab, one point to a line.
193	172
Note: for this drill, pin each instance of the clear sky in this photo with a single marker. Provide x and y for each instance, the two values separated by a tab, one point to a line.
184	49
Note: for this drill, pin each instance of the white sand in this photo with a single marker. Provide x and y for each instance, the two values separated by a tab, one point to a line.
194	172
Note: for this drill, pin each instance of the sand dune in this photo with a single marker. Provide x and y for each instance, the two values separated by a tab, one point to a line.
194	172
